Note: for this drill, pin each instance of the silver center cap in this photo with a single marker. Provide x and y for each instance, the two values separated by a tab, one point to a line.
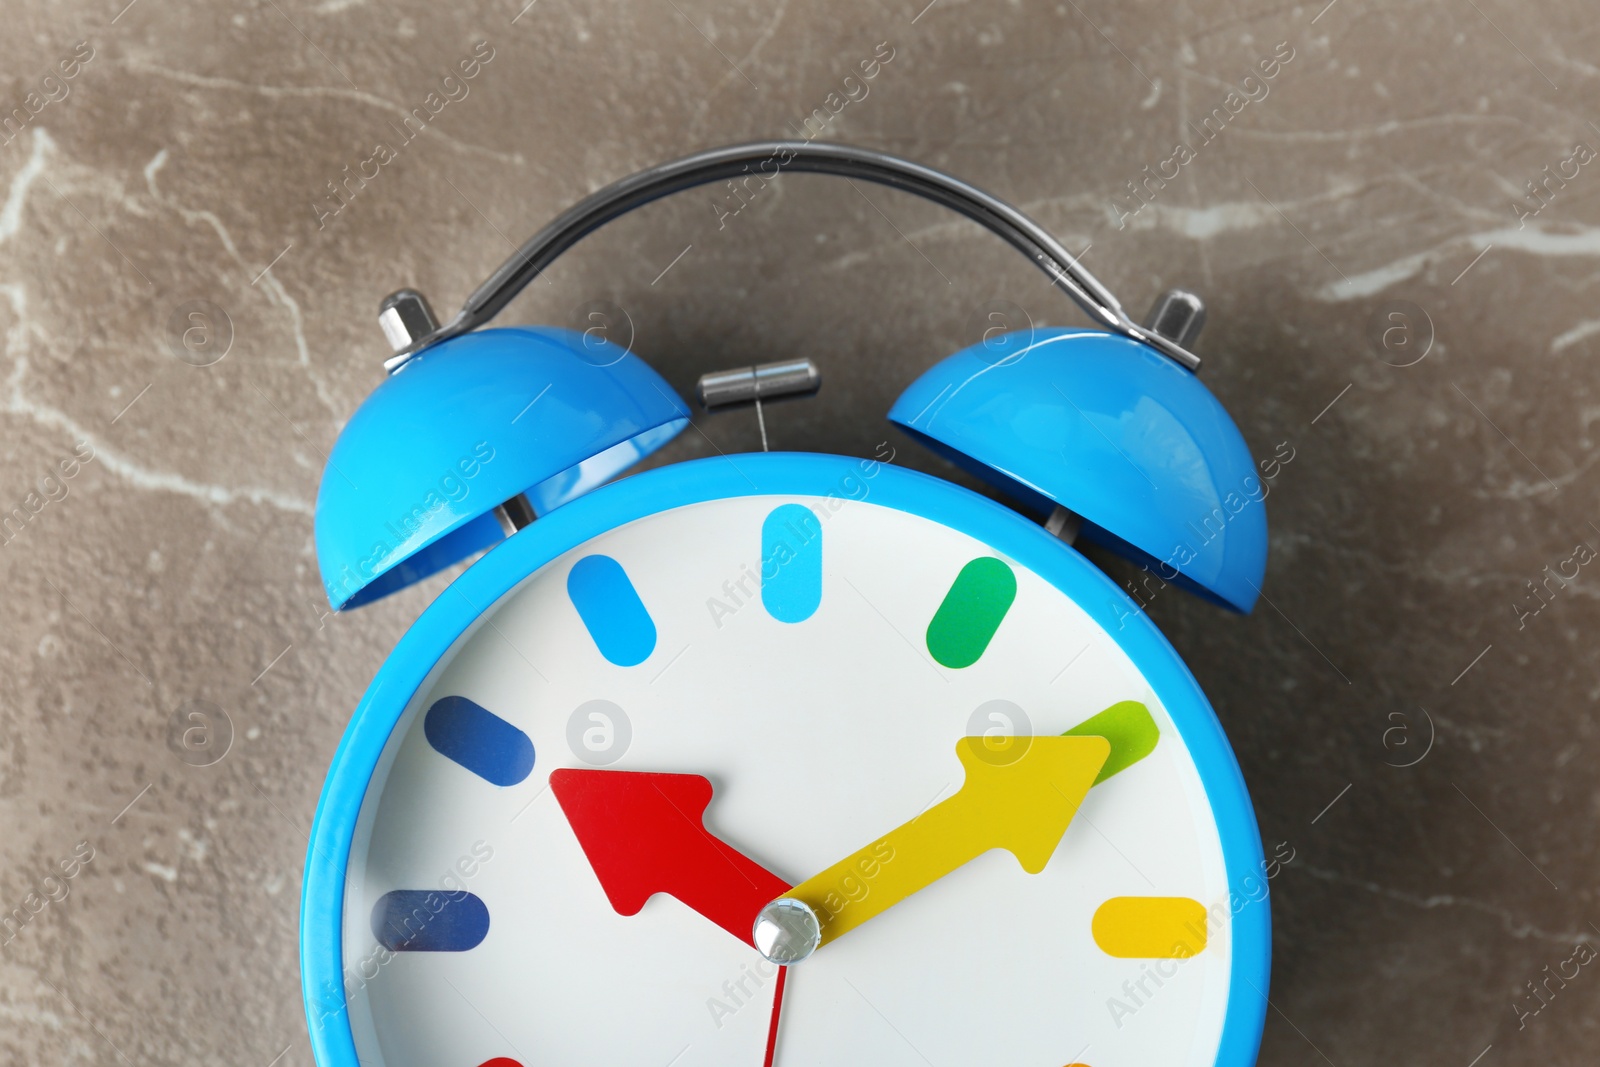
786	931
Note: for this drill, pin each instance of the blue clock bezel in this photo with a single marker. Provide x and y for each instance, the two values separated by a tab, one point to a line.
762	474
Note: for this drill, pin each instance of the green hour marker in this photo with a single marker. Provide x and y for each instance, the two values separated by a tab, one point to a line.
1129	728
972	610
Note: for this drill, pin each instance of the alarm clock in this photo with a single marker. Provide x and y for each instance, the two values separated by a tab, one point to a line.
782	758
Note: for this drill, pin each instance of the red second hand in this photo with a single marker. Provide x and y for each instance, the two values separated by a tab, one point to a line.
777	1006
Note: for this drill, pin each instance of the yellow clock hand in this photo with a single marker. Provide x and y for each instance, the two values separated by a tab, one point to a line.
1021	802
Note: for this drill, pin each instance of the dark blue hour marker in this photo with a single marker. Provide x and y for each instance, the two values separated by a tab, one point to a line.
479	740
611	610
429	920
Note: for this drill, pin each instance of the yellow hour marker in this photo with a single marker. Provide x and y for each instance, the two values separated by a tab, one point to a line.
1150	927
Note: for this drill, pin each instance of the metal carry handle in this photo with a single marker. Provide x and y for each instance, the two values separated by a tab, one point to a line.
411	327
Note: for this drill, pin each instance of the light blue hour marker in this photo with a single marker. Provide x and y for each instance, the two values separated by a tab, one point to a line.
610	608
791	563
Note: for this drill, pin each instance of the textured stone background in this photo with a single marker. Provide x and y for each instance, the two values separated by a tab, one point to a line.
190	154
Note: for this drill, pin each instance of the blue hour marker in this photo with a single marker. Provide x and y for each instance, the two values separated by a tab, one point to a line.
610	608
791	563
478	740
429	920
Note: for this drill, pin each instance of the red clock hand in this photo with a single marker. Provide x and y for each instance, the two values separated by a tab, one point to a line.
644	834
772	1027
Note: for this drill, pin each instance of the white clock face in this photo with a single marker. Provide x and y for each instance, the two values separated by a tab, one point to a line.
824	712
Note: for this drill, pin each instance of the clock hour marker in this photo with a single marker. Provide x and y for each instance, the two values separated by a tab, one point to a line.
1130	729
971	612
429	920
1150	927
791	563
610	608
478	740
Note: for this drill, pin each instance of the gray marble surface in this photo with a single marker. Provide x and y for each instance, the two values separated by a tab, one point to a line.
1383	170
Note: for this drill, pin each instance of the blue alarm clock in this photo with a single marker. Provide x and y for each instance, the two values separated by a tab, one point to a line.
785	758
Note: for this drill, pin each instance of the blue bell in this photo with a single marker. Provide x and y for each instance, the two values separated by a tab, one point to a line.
436	463
1115	433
